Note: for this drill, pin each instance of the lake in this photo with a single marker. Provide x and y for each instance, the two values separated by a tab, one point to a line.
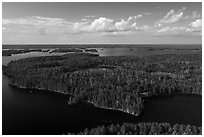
49	113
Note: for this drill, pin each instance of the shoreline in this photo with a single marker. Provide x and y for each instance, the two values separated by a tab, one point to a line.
70	103
103	107
131	113
37	89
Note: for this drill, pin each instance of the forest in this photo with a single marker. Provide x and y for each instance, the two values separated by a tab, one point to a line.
119	83
143	129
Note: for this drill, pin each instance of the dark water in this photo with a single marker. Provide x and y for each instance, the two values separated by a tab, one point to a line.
46	113
182	109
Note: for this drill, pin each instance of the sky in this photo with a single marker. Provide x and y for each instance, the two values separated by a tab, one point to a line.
102	23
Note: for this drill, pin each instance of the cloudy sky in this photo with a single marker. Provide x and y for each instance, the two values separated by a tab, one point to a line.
133	23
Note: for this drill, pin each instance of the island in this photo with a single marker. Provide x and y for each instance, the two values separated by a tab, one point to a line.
119	83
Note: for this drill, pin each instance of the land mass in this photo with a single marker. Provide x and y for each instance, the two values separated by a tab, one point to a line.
118	83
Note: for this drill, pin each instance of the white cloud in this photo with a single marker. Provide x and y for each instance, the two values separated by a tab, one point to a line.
82	26
195	26
37	25
172	17
45	25
193	29
84	19
90	16
116	33
172	29
103	24
126	25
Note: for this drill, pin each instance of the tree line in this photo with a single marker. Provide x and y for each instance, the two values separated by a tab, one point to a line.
143	129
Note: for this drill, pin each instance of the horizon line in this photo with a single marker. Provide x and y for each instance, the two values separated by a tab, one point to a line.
103	44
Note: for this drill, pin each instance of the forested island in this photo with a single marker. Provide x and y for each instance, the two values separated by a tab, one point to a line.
143	129
118	83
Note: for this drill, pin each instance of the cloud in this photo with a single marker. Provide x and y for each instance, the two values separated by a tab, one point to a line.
176	32
84	19
90	16
172	17
45	25
193	29
103	24
126	25
195	26
172	29
36	21
36	24
80	26
117	33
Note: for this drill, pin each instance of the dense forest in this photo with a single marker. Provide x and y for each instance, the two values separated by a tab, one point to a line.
110	82
143	129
